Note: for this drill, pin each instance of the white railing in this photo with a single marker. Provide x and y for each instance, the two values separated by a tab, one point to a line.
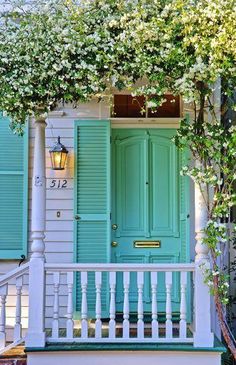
12	280
182	286
97	329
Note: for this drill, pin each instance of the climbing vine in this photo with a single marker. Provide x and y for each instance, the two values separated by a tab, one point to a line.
214	146
65	51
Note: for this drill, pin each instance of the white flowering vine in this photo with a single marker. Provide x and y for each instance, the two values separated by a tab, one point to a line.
69	51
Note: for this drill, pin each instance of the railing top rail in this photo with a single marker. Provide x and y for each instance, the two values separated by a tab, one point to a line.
19	271
120	267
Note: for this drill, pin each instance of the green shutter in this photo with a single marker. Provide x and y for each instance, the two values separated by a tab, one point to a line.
13	192
92	230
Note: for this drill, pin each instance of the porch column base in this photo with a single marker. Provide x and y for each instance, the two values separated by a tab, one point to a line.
203	339
2	340
36	339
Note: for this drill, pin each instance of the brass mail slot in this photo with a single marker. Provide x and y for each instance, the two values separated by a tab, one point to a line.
147	244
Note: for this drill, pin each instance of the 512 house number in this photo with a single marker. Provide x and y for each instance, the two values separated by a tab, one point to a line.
58	184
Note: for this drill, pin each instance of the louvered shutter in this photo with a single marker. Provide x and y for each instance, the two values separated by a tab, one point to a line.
13	192
92	202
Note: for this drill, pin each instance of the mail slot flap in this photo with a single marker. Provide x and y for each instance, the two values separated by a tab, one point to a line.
147	244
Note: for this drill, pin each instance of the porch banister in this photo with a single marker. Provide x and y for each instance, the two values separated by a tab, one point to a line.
203	337
36	334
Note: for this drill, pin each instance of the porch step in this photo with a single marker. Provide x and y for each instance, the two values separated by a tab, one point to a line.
126	354
13	361
15	356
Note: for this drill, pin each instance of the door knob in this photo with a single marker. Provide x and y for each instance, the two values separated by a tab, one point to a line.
114	244
114	227
77	217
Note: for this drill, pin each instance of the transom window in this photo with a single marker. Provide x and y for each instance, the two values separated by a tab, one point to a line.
127	106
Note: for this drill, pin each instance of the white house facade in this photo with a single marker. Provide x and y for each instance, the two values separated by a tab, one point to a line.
112	243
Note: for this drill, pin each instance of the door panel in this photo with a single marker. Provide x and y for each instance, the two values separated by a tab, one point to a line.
146	207
163	186
131	177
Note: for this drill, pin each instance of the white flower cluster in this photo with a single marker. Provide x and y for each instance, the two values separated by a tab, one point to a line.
71	50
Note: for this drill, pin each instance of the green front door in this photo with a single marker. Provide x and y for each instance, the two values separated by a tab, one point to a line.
149	208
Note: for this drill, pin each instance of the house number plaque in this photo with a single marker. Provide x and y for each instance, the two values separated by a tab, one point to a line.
58	184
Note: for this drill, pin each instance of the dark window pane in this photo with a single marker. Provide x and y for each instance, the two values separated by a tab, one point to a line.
136	106
127	106
169	109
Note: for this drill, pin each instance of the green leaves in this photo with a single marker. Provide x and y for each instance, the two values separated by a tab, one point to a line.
65	51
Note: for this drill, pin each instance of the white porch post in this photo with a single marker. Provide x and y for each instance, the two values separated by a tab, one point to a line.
36	334
203	337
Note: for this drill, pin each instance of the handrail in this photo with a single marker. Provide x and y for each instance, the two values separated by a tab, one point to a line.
4	279
12	345
189	267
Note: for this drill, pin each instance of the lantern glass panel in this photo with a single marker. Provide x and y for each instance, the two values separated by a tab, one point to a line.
63	159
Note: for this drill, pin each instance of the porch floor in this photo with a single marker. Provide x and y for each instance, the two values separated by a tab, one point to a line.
218	347
19	355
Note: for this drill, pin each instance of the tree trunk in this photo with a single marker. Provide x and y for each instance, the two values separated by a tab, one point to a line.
226	332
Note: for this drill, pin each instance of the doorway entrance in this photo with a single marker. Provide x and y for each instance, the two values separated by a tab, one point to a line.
148	221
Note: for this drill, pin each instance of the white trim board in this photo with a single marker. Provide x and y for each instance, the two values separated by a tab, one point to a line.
145	122
123	357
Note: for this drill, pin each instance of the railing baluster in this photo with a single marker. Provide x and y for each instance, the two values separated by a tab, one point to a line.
126	280
112	322
18	327
84	305
3	295
140	283
155	331
55	322
169	325
70	322
183	305
137	332
98	323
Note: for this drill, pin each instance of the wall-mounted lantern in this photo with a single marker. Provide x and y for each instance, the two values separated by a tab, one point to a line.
58	156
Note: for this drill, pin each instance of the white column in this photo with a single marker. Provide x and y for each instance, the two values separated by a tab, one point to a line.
112	322
70	322
183	305
55	322
18	327
126	324
203	337
39	192
84	305
140	284
98	323
3	296
155	330
169	323
36	334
